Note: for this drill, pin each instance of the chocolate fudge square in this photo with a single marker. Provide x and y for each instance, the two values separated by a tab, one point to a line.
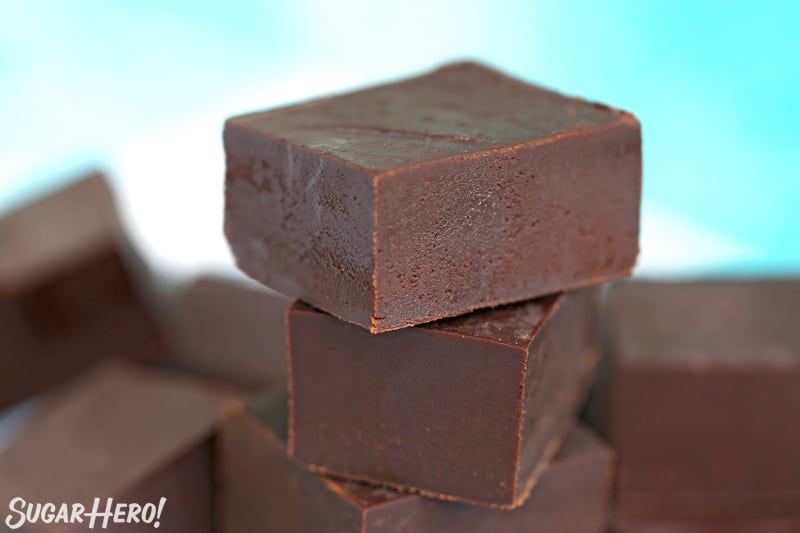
224	329
700	395
124	433
469	408
431	197
262	489
70	290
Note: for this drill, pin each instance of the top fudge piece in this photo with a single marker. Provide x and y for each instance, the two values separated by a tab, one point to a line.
434	196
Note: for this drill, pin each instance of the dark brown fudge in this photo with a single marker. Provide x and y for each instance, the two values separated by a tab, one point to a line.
700	396
431	197
468	408
68	290
124	433
228	330
261	489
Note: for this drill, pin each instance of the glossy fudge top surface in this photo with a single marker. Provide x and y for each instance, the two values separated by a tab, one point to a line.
707	323
107	431
515	324
49	233
456	110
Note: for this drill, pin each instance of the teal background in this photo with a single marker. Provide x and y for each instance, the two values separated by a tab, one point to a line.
715	84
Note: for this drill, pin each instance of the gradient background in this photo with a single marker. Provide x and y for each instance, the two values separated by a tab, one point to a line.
141	88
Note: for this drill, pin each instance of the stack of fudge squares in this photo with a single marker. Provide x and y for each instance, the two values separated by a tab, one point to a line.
440	249
444	237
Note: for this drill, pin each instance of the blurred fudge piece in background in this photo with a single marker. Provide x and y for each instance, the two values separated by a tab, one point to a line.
229	330
70	290
118	431
700	394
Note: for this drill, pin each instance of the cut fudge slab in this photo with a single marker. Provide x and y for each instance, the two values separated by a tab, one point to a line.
434	196
123	433
261	489
68	290
468	408
701	389
228	330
